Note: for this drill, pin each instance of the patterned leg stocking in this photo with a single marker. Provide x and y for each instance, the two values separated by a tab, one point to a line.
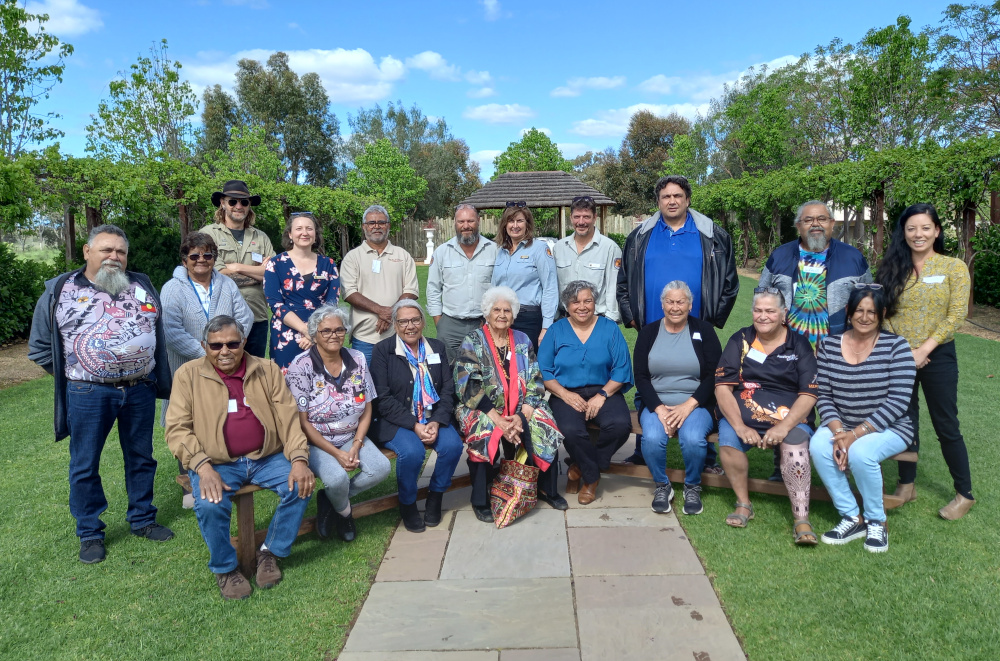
795	469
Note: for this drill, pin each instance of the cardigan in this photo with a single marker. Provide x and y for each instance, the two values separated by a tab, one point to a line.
707	348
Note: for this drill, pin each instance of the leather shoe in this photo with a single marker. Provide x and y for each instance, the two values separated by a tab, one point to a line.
324	514
908	492
957	508
484	513
432	511
573	479
345	526
554	500
588	493
412	520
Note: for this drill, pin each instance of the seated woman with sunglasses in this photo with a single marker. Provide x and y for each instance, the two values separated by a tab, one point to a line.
334	391
195	294
865	379
297	282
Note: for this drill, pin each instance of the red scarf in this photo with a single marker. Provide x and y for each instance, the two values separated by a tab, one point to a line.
511	389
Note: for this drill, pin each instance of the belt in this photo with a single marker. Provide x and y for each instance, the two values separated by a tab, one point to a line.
117	384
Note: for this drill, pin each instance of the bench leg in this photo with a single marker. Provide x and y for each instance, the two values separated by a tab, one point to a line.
246	549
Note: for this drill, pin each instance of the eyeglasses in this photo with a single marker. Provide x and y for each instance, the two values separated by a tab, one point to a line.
198	256
867	285
327	333
519	205
375	223
812	220
243	202
217	346
582	198
296	214
403	323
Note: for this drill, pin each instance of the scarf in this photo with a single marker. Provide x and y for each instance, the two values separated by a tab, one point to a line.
424	394
509	383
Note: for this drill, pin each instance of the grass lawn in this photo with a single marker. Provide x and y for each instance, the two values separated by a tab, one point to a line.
935	593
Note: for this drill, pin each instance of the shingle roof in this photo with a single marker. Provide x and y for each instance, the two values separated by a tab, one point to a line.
538	189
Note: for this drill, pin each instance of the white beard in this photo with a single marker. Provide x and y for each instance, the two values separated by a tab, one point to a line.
112	280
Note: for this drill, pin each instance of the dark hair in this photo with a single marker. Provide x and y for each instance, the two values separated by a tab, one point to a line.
221	322
286	236
897	265
858	295
197	240
583	203
672	179
107	228
503	239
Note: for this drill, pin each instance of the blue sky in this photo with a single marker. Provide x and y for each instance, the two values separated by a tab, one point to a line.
491	68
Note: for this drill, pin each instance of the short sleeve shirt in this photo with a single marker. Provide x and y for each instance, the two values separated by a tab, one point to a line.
381	278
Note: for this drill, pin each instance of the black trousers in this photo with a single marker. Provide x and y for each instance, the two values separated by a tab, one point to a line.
482	473
939	381
257	339
529	322
615	423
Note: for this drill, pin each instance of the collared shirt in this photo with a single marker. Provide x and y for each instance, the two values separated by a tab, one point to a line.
603	357
241	430
597	263
531	273
381	278
933	305
672	255
254	250
106	339
456	283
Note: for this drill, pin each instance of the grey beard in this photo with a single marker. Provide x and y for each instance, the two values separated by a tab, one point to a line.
470	240
816	243
112	280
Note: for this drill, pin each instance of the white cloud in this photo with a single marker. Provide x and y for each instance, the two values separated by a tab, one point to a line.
485	158
540	129
564	91
574	86
499	113
492	8
349	76
67	18
481	93
615	122
478	77
435	65
707	86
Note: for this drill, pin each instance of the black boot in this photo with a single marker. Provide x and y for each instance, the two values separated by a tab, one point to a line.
411	517
432	514
324	514
345	526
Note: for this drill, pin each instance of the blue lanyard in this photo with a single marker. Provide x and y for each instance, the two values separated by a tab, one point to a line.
210	285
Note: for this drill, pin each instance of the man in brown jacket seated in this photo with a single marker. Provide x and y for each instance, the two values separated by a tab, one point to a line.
231	422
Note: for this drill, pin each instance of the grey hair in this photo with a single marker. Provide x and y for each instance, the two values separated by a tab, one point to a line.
676	285
107	228
323	313
407	303
494	294
466	205
219	322
811	203
573	289
780	297
375	208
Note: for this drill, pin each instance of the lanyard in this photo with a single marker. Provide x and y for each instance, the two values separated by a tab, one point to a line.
210	285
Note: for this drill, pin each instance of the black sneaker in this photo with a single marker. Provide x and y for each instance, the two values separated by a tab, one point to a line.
554	500
155	532
692	499
91	551
878	537
345	526
849	528
661	498
636	459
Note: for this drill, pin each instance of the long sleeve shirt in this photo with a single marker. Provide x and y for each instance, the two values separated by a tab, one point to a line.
456	283
933	305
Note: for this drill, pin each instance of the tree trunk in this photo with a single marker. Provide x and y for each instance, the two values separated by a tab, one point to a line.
878	213
995	207
93	218
968	231
69	229
185	220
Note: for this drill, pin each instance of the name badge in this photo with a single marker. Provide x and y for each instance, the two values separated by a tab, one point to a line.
433	359
509	355
257	257
140	294
377	266
934	279
595	266
232	406
756	355
696	335
813	269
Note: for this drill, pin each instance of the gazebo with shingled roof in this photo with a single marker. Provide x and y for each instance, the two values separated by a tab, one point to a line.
540	190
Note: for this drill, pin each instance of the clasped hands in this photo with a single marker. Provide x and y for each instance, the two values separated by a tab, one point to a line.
672	417
773	436
427	433
511	424
589	407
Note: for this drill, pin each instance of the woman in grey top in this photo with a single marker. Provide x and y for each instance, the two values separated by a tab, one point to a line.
675	361
865	379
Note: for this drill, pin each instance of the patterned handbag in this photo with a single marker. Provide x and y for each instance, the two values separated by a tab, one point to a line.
514	491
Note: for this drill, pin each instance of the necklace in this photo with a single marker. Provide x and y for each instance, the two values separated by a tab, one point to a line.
854	342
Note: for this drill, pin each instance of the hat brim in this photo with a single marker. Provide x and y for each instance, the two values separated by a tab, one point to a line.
217	198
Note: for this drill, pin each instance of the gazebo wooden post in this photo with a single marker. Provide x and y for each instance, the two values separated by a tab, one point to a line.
562	222
604	211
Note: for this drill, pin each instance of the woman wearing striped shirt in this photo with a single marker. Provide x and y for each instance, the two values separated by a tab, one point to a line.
865	380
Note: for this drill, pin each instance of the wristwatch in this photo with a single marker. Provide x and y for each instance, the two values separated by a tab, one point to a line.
602	392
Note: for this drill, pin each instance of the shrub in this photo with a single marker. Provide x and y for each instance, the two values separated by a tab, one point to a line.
618	238
986	268
21	284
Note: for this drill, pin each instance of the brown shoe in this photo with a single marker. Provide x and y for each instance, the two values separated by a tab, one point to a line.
573	479
268	574
232	585
908	492
957	508
588	493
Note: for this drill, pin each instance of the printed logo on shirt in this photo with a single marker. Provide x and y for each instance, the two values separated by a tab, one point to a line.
359	398
548	251
618	263
147	307
788	357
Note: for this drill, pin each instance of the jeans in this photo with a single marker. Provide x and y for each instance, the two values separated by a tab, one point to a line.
92	409
711	454
341	487
692	436
410	452
615	426
257	339
213	518
366	348
864	457
727	436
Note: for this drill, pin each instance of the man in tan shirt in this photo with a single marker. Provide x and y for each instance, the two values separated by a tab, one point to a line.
243	251
373	277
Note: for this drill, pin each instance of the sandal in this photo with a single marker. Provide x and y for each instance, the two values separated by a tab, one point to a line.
801	535
741	518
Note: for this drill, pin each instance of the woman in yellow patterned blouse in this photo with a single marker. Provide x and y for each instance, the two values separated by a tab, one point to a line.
928	297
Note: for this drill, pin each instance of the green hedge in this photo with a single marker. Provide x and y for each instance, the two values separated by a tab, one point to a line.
986	285
21	284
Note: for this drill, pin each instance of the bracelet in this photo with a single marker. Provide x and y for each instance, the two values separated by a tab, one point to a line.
855	434
840	431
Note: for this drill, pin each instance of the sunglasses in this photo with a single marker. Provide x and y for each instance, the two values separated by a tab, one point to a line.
519	205
867	285
243	202
582	198
296	214
766	290
198	256
217	346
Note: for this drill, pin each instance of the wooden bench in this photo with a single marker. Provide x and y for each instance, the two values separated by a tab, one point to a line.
676	475
248	539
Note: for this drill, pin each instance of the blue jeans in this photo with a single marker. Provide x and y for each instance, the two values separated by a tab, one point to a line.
727	436
865	457
692	436
92	409
410	452
366	348
213	518
711	454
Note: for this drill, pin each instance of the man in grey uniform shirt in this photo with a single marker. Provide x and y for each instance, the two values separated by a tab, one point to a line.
460	273
586	254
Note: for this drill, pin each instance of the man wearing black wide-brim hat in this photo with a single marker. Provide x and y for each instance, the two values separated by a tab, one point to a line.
243	251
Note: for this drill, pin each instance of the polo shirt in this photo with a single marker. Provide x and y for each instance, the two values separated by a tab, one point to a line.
597	263
531	273
382	278
241	430
603	357
672	256
456	283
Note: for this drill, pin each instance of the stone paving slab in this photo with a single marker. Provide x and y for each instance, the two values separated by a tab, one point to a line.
459	499
653	617
465	615
615	491
532	547
565	654
610	517
628	551
415	556
420	656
